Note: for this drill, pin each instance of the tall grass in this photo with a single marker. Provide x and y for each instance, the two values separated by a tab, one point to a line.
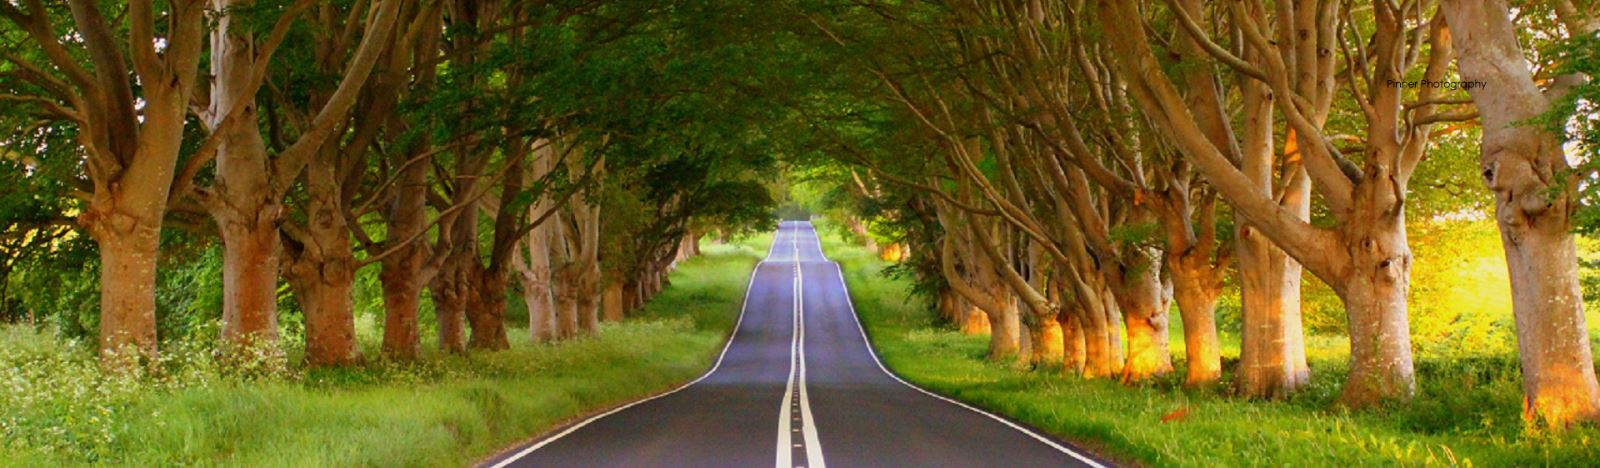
57	408
1466	413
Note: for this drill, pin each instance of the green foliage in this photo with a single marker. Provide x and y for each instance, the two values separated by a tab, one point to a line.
189	294
1446	182
64	293
1576	116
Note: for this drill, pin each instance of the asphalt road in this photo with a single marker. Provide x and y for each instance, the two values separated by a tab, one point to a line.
796	386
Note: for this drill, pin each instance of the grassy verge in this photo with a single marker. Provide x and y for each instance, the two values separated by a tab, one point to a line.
56	408
1466	413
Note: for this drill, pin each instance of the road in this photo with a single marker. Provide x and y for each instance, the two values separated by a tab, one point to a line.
796	386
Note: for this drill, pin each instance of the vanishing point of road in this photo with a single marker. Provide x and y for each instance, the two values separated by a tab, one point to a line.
796	386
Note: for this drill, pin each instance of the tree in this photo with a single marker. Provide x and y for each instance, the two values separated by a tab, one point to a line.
1364	258
247	198
131	151
1535	201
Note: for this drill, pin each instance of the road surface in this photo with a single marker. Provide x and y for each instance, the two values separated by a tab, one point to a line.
796	386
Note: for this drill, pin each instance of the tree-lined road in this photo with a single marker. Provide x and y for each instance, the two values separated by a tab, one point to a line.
796	386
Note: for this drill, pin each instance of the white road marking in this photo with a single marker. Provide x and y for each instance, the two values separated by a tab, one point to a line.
794	395
573	428
808	426
1019	428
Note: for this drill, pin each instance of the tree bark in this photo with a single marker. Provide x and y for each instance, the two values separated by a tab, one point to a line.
402	296
487	310
450	309
246	214
567	302
974	322
1073	340
1144	301
1523	166
1005	327
1102	351
1197	305
611	304
322	270
1044	331
536	291
1270	291
403	275
1272	359
1374	293
948	307
1045	341
323	290
127	291
251	254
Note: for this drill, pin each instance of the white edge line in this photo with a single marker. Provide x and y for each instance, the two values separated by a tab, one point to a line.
1042	439
573	428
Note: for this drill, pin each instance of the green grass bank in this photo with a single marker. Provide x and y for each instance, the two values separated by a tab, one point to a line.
1466	413
57	408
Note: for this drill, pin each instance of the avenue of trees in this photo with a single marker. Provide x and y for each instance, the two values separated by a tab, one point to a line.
1081	168
1061	176
563	153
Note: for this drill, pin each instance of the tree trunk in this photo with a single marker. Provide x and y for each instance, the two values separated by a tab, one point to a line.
1558	378
1072	339
1100	348
974	321
1374	294
322	287
1045	341
487	311
1271	352
537	293
130	147
402	296
589	308
947	307
1044	331
1197	304
1114	331
631	295
127	291
1272	358
322	271
402	275
611	304
537	290
250	258
1518	162
1144	302
247	215
1005	333
566	302
692	241
450	308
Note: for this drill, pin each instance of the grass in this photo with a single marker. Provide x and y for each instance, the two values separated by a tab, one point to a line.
56	408
1467	412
